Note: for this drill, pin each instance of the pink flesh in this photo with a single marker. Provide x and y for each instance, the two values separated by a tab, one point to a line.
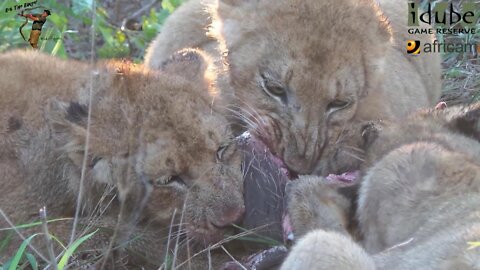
287	228
441	105
270	206
286	225
259	144
276	160
344	177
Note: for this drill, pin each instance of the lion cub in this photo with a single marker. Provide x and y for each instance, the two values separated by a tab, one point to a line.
418	200
301	70
155	144
305	68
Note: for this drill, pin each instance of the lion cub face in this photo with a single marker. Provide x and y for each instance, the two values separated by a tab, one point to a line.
296	75
188	157
157	139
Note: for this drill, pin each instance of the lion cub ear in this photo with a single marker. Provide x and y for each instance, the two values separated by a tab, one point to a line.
191	64
379	26
464	119
67	120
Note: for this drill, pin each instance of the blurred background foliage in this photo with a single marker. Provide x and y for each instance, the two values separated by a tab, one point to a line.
461	71
123	28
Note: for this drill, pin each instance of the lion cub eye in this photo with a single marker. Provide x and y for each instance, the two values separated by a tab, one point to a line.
337	105
94	161
168	180
226	151
220	152
273	88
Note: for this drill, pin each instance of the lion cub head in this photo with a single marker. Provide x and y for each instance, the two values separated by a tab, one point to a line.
453	128
296	76
159	142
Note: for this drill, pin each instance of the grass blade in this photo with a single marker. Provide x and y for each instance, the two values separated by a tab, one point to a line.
33	224
71	249
473	245
31	259
20	251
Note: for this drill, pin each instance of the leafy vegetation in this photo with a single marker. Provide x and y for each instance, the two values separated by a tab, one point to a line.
22	258
69	25
461	80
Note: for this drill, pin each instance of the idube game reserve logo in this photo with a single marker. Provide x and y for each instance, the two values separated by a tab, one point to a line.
446	20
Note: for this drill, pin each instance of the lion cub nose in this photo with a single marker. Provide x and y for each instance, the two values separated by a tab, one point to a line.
230	216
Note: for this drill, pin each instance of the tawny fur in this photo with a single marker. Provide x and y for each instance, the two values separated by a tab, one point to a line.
319	203
325	250
315	203
187	27
418	202
146	126
319	52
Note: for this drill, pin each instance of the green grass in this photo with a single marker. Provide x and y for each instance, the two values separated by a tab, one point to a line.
113	41
23	258
15	261
461	72
71	250
473	245
253	237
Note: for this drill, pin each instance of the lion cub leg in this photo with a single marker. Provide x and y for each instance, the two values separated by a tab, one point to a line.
315	203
